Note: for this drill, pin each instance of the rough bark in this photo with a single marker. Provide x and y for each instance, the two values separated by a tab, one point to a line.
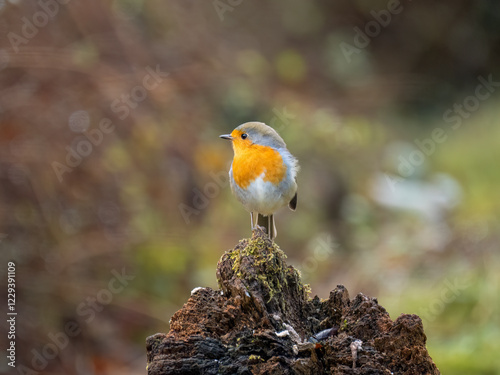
261	321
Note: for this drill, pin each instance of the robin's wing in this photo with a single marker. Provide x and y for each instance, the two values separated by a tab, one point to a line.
293	203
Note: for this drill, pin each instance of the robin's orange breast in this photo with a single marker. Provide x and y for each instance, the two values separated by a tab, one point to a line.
252	161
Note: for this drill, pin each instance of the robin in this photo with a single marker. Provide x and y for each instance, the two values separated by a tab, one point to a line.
263	173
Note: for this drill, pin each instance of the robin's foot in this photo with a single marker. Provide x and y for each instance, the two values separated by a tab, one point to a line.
264	229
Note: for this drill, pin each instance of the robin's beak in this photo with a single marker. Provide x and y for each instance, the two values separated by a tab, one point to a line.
226	136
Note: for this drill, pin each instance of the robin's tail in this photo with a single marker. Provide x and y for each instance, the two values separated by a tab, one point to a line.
268	223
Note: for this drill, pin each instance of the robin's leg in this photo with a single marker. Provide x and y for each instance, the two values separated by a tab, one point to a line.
271	227
253	220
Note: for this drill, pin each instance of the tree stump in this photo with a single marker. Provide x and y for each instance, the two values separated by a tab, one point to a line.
262	321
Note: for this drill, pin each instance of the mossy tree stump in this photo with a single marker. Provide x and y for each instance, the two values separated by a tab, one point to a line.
262	321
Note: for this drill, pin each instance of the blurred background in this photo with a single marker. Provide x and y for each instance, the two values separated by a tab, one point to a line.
114	196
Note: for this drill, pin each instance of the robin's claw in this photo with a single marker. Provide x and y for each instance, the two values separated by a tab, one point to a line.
264	229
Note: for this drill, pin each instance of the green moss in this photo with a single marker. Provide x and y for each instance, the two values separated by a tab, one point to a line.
344	325
266	256
255	358
306	289
258	260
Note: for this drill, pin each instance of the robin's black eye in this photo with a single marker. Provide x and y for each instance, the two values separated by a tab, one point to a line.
244	136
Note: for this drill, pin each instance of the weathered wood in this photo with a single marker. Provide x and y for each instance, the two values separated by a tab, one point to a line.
262	321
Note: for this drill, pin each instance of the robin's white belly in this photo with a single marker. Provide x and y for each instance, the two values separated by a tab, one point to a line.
262	196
